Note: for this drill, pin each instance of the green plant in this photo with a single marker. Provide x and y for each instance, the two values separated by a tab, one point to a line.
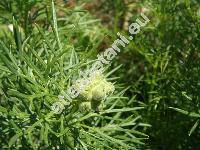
41	58
162	63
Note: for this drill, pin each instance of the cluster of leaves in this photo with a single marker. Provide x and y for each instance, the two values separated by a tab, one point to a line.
42	50
39	55
162	64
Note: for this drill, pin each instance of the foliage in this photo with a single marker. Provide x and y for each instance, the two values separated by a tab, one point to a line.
44	47
39	59
162	67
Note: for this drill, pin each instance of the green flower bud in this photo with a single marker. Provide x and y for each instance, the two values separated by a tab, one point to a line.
97	88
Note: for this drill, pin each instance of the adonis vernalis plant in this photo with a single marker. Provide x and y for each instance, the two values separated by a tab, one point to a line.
40	55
